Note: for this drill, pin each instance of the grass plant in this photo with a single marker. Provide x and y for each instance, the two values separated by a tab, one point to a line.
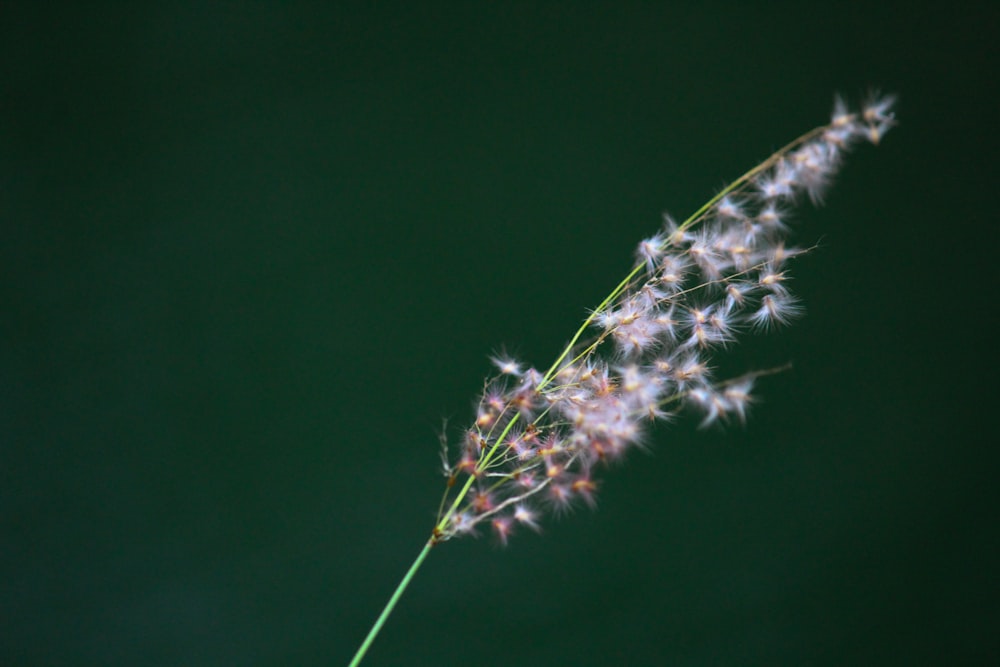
541	438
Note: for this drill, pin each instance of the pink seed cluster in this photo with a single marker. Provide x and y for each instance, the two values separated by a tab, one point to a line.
539	439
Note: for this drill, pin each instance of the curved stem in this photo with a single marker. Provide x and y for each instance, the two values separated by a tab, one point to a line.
398	593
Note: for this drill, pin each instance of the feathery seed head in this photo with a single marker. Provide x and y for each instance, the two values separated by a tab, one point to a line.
697	286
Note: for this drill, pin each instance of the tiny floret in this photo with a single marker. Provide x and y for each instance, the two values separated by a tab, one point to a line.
507	365
776	310
729	208
738	399
650	251
841	116
878	115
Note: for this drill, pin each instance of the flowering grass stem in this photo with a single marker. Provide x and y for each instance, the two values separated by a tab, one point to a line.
690	294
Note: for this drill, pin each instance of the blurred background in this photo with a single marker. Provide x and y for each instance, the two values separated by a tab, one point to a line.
252	254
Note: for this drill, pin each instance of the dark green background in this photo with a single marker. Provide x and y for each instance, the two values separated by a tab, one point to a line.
252	254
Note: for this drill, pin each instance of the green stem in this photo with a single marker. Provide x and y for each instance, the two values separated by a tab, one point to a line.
391	604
